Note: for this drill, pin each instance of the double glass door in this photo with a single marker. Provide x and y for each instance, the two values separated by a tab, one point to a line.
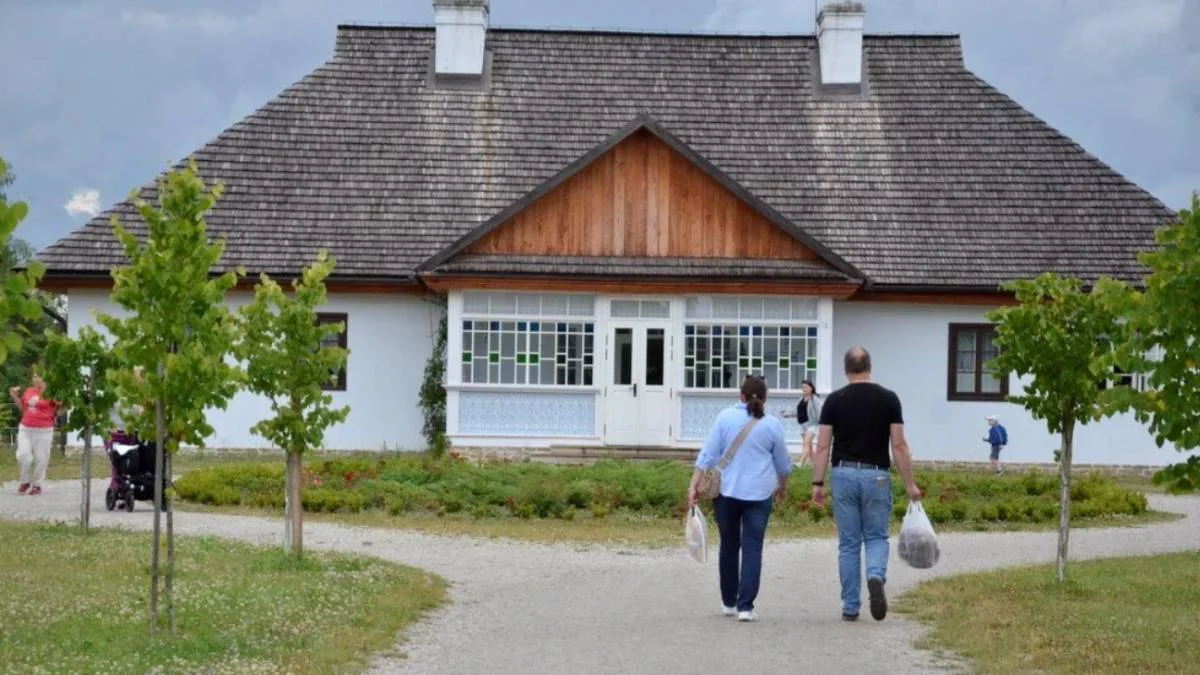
638	390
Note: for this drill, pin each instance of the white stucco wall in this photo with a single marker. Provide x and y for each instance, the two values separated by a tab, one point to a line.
908	346
390	338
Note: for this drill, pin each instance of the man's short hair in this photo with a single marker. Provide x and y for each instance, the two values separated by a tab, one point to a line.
858	361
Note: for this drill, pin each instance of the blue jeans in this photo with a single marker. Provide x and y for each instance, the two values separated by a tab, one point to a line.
742	525
862	507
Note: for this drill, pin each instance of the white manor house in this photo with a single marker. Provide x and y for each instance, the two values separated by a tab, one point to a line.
619	226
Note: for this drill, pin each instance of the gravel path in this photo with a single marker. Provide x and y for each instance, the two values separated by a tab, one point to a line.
522	608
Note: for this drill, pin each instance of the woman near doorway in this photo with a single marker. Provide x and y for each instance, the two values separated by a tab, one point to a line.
808	414
758	468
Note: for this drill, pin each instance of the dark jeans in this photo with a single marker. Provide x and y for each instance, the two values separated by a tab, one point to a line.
742	526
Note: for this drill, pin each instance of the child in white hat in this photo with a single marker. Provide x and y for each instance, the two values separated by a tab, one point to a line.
997	438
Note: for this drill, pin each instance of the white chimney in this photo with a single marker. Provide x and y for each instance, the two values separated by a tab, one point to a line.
840	35
461	35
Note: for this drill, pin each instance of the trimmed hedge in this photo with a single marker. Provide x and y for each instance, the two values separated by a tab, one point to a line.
417	484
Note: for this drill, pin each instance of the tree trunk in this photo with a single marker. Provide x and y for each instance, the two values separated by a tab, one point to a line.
85	505
158	494
293	530
1064	501
170	505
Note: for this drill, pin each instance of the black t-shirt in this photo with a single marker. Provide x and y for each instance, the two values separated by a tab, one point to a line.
862	415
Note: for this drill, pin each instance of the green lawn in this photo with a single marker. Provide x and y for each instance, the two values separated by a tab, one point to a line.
75	602
1126	615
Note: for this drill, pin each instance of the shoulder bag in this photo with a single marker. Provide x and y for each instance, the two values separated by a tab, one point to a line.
709	485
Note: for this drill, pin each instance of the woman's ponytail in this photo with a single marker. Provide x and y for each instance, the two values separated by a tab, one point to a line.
754	390
755	406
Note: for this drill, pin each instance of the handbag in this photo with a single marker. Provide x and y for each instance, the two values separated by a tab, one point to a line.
709	485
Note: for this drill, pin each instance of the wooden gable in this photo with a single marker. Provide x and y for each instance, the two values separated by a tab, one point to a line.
641	199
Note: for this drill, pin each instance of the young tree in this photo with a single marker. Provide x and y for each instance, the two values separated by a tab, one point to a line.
18	366
76	371
1166	318
287	359
432	397
179	330
1068	341
6	179
17	299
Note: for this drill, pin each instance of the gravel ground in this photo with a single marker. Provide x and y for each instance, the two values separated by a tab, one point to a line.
524	608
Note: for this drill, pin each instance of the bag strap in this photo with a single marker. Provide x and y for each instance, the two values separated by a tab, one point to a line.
737	443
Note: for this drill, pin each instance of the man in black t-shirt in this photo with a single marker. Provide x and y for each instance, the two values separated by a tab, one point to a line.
861	420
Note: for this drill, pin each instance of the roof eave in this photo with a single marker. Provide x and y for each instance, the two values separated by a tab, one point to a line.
63	280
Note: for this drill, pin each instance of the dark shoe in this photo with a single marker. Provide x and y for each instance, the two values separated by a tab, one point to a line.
878	599
23	489
35	490
849	617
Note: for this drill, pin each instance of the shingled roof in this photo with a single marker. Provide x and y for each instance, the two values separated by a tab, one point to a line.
932	178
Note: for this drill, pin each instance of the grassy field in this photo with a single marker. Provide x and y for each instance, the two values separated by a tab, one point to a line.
75	602
1127	615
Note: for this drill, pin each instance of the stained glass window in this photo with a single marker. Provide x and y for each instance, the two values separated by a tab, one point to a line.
720	356
528	352
528	339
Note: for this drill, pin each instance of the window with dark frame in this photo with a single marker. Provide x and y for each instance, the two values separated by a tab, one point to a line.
337	379
972	345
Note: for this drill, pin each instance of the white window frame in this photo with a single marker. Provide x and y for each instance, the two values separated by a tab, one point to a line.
457	314
821	316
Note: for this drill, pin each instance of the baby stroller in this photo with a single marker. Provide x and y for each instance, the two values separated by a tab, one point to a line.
132	472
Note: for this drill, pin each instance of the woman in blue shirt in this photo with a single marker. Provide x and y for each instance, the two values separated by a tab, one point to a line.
759	469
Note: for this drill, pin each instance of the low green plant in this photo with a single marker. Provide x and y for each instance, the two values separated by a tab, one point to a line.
656	490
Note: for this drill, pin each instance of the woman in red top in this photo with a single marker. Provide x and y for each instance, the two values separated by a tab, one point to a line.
34	434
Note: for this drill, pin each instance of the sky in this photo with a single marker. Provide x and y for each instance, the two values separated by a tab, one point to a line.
97	96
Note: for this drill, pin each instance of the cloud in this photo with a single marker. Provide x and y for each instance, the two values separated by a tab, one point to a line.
84	202
1124	29
761	16
211	23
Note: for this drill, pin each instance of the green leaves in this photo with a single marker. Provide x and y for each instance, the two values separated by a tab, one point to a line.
177	314
432	397
76	372
1068	340
17	299
1182	478
285	360
1167	319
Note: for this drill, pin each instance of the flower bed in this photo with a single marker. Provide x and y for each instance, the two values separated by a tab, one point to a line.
643	489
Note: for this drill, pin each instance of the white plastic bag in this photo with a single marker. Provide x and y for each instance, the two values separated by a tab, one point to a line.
694	532
918	545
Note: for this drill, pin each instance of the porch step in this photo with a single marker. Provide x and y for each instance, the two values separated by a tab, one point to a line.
572	455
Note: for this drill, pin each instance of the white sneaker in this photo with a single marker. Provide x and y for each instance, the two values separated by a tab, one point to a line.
729	611
747	616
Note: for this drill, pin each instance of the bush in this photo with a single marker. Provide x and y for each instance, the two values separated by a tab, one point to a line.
406	484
